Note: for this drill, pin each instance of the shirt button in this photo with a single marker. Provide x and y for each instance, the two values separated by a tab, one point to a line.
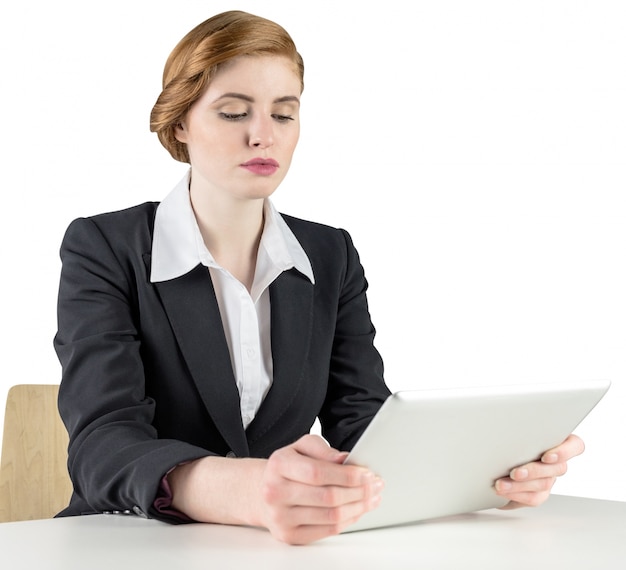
250	353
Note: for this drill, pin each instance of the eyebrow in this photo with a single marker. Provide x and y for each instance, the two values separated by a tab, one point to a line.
285	99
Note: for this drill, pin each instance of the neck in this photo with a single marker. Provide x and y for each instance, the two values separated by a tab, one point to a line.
231	229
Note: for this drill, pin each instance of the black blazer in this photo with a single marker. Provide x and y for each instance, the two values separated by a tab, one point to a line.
147	378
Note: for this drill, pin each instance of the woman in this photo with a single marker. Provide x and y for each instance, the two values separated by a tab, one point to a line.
201	337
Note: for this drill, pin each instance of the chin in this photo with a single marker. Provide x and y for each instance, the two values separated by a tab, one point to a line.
258	192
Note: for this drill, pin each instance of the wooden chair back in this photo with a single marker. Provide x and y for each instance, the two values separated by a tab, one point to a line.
34	482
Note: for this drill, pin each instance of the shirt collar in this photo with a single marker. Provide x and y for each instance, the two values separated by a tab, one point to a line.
178	247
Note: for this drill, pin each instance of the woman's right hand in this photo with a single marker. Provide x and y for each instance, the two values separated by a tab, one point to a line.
307	492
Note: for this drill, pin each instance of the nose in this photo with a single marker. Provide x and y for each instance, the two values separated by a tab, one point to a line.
261	133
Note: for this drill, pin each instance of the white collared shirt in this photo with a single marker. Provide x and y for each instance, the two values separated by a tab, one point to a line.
178	247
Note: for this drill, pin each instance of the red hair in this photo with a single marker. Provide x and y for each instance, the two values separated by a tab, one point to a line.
195	60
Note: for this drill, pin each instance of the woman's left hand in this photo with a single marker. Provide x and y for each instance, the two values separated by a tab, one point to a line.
530	485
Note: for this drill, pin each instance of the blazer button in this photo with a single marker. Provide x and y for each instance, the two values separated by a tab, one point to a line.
231	454
139	512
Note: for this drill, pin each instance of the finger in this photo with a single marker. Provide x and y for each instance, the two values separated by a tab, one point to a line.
517	500
305	534
317	447
338	516
326	496
571	447
511	505
302	464
538	470
301	525
301	535
509	488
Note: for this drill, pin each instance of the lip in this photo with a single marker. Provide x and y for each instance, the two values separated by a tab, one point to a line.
261	166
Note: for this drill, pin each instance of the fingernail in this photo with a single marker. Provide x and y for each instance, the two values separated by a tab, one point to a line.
378	485
367	478
341	456
502	485
519	474
374	501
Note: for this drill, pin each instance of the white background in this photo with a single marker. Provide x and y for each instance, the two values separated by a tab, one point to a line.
475	150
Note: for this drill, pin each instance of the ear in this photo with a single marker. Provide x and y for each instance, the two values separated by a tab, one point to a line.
180	132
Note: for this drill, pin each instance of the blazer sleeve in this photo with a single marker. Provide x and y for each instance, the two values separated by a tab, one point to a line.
356	388
116	460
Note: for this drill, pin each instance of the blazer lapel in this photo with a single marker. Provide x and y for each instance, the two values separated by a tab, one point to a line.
193	312
291	298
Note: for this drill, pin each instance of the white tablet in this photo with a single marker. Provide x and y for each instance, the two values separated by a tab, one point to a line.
440	451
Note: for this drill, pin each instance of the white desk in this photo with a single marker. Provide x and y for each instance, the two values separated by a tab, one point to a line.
566	532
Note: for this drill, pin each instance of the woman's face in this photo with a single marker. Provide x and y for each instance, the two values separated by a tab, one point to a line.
242	132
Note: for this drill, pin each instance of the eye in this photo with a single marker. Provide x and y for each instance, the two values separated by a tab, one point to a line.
282	118
233	116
